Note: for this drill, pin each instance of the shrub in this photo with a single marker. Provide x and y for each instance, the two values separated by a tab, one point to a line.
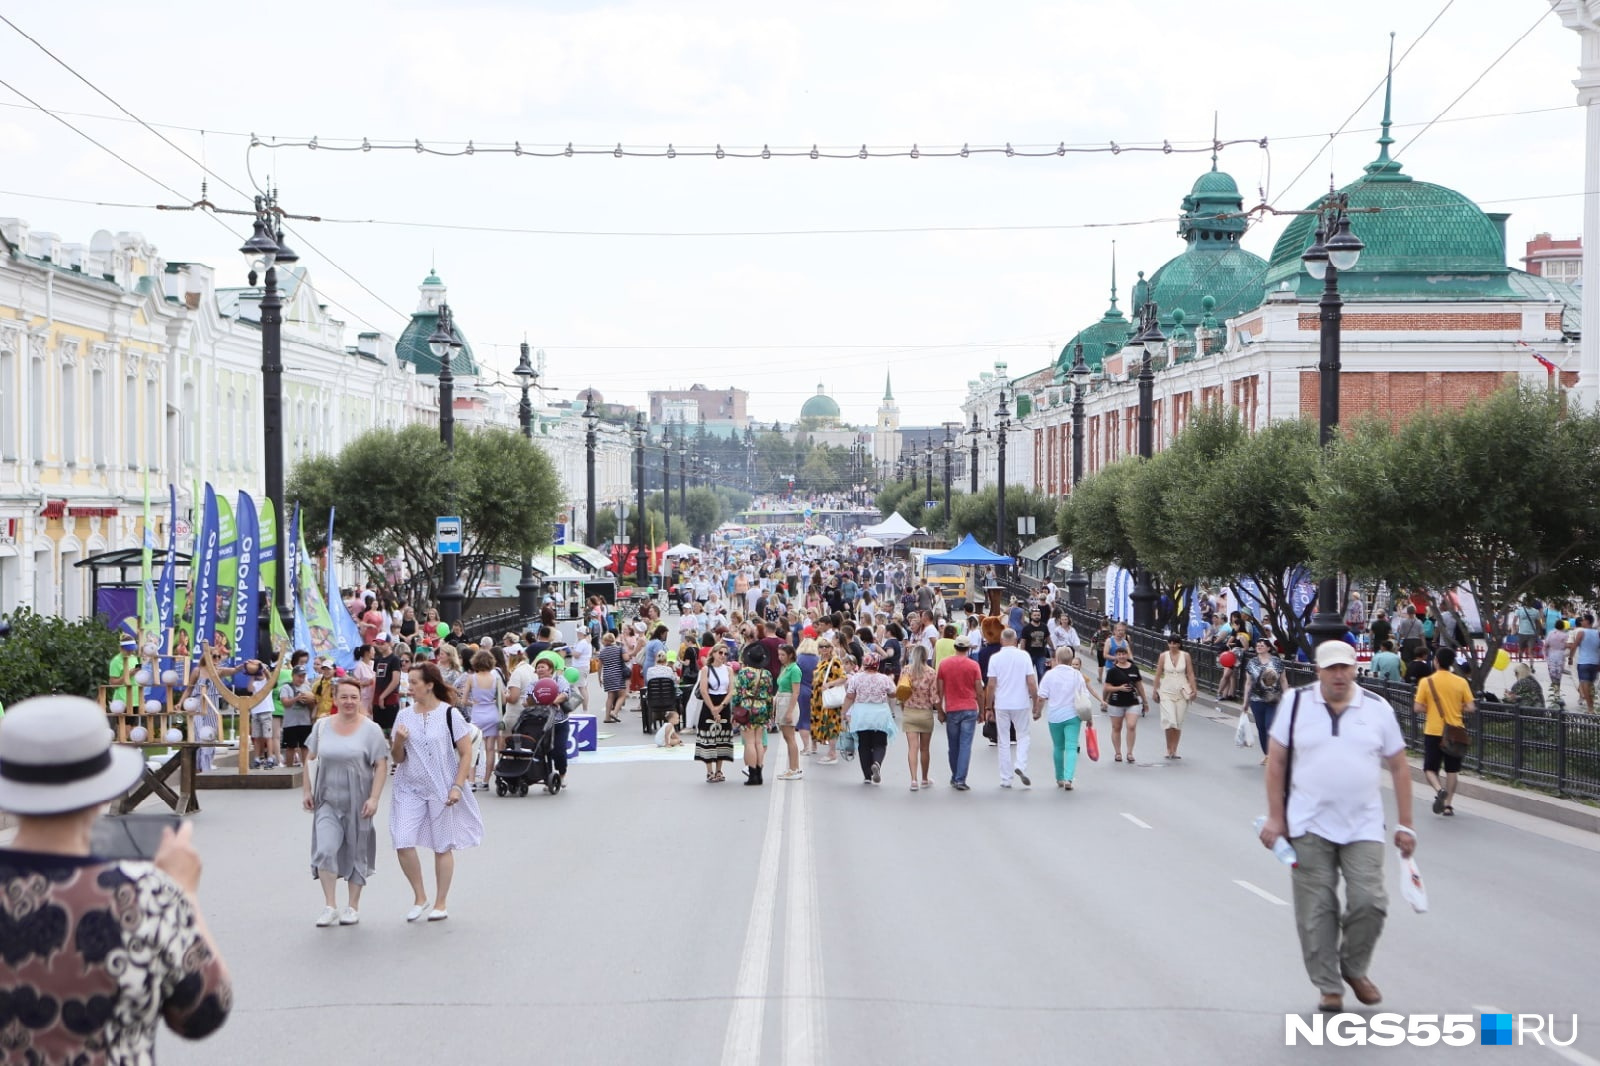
46	654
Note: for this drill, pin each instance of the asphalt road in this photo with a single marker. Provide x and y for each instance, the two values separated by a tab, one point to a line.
645	916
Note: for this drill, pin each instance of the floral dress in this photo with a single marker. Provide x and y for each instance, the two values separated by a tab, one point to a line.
826	722
752	691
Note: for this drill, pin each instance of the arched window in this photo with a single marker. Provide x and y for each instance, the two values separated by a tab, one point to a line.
35	398
189	425
69	414
9	405
97	417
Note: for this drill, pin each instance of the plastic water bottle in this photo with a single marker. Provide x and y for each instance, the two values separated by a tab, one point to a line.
1282	850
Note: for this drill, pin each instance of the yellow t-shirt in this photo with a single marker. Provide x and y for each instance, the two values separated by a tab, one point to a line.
943	648
1454	694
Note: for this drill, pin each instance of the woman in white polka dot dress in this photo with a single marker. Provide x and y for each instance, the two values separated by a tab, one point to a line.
430	806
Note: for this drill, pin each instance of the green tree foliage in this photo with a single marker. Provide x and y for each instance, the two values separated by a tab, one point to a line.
704	512
605	525
390	484
975	514
1090	523
1503	495
655	528
46	654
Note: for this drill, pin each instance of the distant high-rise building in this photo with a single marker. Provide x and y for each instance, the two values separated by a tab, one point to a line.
724	411
1556	260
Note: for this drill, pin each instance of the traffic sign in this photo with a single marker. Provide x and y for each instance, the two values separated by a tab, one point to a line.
447	534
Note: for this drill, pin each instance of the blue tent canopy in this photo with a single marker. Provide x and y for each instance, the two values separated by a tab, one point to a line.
969	553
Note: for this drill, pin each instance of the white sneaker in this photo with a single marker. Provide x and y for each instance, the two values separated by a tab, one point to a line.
417	912
328	917
348	916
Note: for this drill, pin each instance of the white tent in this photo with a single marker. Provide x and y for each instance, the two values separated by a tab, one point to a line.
681	551
866	542
819	540
891	529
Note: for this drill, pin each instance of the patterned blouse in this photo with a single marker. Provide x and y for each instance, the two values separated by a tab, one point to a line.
924	690
95	954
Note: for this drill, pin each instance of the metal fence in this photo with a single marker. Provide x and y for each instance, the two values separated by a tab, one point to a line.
492	625
1548	748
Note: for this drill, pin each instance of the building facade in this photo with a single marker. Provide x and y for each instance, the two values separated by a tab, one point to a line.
724	411
119	369
1556	260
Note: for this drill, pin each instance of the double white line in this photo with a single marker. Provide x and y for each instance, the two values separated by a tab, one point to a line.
804	1020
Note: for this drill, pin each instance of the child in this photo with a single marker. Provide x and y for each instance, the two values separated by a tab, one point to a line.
667	736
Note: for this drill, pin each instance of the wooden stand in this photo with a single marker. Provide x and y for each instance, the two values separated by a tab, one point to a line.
182	801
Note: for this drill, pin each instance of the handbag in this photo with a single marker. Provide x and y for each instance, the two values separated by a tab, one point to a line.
1244	732
1457	740
1091	743
1084	704
902	691
741	716
833	698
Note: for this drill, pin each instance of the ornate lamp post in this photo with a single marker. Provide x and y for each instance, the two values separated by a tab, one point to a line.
444	343
266	247
1002	419
927	466
683	473
641	570
975	433
666	486
528	587
1144	592
1077	580
949	456
1333	249
591	419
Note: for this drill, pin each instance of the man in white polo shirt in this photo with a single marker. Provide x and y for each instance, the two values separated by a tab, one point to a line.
1011	691
1325	756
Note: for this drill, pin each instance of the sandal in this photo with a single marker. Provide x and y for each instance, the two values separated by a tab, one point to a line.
1067	785
1119	756
1449	811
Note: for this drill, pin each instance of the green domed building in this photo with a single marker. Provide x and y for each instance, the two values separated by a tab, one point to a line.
820	409
412	347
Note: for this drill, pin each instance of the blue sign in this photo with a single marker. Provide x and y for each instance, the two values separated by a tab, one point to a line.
561	533
583	734
807	512
447	534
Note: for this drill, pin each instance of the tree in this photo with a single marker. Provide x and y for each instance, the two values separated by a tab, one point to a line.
390	484
46	654
704	512
1089	522
1502	497
975	514
605	525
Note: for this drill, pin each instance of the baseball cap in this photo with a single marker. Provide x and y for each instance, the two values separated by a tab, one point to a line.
963	644
1335	653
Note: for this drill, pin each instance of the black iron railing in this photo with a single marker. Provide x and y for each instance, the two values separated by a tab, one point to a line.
492	625
1548	748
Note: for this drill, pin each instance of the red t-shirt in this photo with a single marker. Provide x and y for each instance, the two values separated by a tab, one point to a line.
960	676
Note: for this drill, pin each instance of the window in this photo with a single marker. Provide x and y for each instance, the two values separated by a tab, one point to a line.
69	414
130	422
153	421
187	427
97	417
231	428
35	403
9	405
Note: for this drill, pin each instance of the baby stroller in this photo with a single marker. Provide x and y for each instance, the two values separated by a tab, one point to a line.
525	757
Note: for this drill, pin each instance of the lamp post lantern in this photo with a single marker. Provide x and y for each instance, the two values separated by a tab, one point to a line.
266	246
1333	249
528	586
1144	590
641	570
591	419
1077	580
445	343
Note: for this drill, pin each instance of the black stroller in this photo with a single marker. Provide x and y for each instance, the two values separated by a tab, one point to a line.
525	757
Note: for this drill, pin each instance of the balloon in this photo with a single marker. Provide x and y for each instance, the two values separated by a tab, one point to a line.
207	733
117	707
169	677
153	706
174	735
141	676
1501	659
192	704
557	663
444	630
1227	660
138	734
572	675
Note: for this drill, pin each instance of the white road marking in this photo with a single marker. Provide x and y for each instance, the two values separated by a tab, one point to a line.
741	1046
803	1017
1570	1054
1263	893
1141	823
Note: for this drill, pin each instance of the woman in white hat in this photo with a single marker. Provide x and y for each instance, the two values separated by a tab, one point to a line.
83	931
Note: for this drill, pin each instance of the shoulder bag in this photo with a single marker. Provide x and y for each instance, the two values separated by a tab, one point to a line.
1457	740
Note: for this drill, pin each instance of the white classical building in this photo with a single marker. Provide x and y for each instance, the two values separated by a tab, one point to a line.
118	368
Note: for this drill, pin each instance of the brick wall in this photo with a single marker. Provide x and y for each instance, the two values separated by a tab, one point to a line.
1394	396
1422	321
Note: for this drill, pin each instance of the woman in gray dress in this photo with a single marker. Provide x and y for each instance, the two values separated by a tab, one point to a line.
351	759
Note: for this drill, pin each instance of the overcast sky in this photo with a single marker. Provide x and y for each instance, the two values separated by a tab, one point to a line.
775	314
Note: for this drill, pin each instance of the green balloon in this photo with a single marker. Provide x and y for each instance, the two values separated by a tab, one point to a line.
444	630
572	675
557	663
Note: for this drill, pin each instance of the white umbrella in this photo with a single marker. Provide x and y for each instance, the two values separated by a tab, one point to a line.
818	540
866	542
681	551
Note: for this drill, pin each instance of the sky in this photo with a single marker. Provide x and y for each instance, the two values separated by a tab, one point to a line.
772	275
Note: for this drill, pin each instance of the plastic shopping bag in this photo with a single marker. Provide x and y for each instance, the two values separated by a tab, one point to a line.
1091	743
1411	886
1244	734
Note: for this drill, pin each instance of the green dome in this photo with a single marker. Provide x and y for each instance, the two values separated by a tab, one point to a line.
1103	338
1213	265
820	406
412	347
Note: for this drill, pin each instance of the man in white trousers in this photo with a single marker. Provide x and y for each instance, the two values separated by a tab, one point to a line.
1011	693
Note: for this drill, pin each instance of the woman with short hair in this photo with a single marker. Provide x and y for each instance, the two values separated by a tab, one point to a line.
351	760
613	675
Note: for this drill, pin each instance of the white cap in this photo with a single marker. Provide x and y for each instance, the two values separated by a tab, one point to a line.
1335	653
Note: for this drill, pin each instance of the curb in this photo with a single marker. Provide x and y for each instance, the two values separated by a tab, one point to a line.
1552	808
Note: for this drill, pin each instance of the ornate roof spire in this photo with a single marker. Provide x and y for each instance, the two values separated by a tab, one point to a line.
1383	165
888	393
1113	306
1214	142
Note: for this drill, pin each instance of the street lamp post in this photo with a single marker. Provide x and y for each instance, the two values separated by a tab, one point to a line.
528	587
927	464
1002	417
683	473
1077	580
591	419
973	473
266	246
1334	249
949	456
666	486
1144	590
444	343
641	570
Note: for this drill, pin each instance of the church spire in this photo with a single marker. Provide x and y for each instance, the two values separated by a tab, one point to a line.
1388	94
888	393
